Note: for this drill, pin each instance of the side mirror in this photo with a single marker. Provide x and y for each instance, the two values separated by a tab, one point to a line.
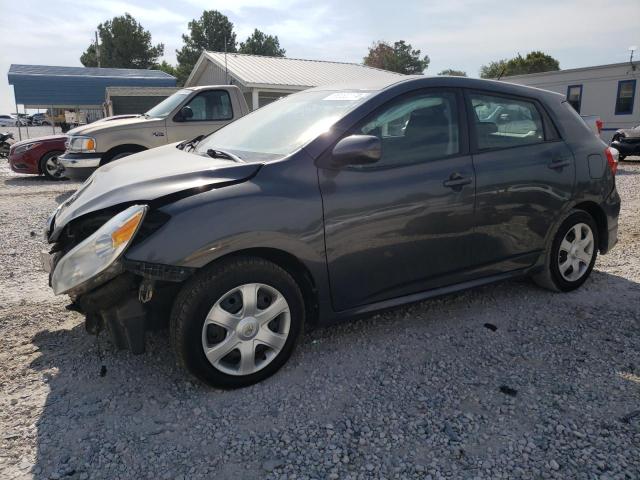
184	114
356	150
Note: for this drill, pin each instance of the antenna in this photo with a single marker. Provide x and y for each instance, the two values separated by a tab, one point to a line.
97	49
226	70
632	49
504	69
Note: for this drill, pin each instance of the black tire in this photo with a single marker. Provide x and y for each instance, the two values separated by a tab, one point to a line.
200	294
115	157
551	278
43	166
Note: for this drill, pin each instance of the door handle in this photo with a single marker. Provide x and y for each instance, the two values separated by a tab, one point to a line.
456	180
558	163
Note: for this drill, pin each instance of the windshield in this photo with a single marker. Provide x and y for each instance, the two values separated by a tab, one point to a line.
285	125
167	106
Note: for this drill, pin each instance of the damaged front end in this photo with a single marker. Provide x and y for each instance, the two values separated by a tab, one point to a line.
124	297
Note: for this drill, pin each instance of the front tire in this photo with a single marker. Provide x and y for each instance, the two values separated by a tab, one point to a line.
50	168
573	253
236	323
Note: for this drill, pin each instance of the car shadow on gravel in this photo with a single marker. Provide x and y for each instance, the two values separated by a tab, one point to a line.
145	415
35	180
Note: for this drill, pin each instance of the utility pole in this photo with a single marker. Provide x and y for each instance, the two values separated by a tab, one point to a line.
97	49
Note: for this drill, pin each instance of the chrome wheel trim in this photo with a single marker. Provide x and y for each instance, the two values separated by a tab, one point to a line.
576	252
52	166
247	330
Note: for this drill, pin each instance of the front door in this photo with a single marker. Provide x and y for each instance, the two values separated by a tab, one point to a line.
524	177
403	224
205	112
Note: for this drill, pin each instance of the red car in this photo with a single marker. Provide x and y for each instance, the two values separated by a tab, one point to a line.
38	156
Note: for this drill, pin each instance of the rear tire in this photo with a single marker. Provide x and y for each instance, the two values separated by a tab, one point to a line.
216	324
572	255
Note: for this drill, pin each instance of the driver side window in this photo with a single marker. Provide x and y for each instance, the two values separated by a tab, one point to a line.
211	105
415	128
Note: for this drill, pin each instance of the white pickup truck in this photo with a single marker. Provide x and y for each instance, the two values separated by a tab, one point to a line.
186	114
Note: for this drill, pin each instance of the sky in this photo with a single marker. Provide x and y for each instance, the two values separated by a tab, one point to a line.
458	34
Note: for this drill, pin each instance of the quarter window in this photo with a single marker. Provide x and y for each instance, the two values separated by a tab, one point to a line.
574	96
504	122
414	129
210	106
625	97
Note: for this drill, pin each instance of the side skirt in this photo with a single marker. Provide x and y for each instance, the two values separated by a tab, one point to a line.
331	317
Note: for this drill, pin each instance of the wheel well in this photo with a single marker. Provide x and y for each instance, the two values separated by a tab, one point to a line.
128	147
44	155
295	268
600	218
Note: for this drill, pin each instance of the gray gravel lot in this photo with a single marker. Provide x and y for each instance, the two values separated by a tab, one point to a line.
426	391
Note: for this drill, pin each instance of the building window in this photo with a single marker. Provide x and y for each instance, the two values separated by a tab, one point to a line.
625	97
574	96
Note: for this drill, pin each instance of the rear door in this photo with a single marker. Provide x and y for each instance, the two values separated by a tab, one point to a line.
403	224
209	111
524	176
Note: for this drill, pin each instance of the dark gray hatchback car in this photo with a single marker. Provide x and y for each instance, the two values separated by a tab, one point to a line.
331	203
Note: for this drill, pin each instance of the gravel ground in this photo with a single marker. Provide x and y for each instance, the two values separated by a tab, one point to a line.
504	381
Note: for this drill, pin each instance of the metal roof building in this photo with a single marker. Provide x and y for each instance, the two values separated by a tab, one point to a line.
132	100
265	79
41	86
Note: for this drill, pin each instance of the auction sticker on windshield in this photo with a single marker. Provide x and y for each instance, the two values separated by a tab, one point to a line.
347	96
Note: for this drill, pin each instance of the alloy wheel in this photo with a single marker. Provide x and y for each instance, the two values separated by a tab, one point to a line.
246	329
576	252
53	167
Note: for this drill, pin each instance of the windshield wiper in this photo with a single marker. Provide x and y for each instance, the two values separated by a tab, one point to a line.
222	154
191	144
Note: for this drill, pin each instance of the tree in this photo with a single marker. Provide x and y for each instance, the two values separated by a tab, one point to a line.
167	68
453	73
124	43
212	31
401	58
533	62
260	43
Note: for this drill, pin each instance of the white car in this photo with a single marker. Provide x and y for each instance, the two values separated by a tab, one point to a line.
10	121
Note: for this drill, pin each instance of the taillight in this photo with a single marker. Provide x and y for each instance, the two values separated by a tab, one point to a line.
612	158
599	125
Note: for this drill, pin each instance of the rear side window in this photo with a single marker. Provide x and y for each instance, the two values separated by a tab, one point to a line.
625	97
505	122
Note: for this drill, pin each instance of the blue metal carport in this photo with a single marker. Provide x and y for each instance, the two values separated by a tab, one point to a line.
41	86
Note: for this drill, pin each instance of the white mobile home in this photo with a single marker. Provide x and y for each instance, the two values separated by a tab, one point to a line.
610	91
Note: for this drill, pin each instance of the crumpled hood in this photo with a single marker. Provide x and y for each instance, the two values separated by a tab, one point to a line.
116	123
147	176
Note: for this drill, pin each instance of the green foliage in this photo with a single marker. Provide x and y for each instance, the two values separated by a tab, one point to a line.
260	43
401	58
209	32
167	68
533	62
124	43
453	73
